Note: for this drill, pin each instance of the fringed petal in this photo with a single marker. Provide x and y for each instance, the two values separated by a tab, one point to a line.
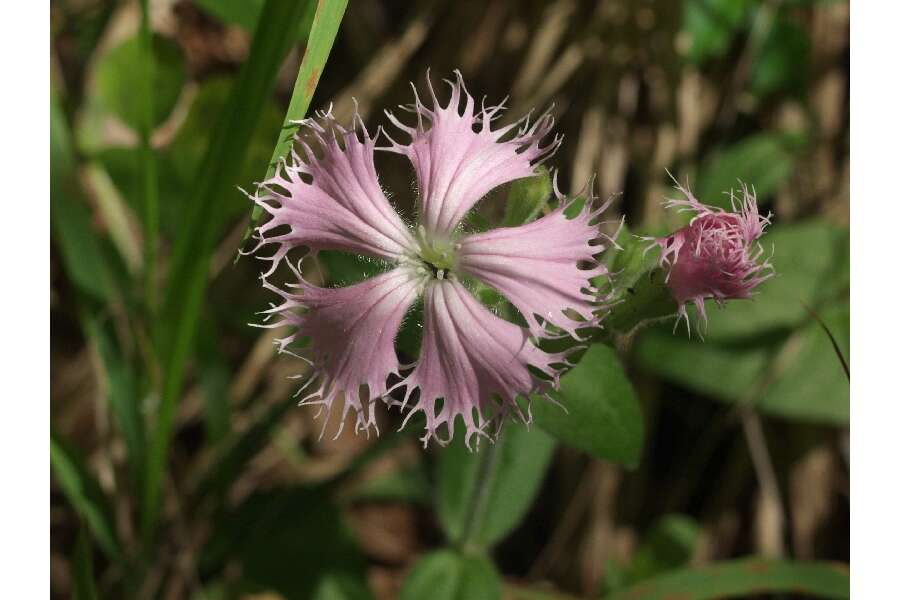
458	157
544	268
351	332
331	200
468	356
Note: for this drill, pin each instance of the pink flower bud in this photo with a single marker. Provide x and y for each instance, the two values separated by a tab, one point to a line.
717	255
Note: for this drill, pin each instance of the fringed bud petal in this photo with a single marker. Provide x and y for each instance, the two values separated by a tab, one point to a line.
717	255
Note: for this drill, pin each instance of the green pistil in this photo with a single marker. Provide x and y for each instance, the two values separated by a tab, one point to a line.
438	255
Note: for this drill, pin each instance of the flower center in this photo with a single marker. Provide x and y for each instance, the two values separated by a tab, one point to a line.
436	255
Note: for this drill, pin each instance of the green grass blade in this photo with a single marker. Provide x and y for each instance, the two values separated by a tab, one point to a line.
742	578
121	384
149	184
83	587
275	34
324	29
84	493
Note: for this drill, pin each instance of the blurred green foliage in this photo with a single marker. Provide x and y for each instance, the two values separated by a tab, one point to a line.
189	442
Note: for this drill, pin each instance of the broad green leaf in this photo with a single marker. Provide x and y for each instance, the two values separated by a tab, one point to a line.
86	262
483	495
527	198
764	161
446	575
667	546
727	372
203	220
85	495
795	375
810	383
118	80
83	587
743	578
286	540
710	26
782	62
812	266
600	413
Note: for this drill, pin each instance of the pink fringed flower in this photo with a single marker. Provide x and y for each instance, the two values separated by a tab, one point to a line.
717	255
472	363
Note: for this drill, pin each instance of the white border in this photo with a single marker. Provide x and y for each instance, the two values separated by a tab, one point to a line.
25	297
875	296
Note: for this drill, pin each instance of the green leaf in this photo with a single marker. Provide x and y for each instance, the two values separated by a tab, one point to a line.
600	413
245	13
764	161
118	78
743	578
669	545
812	266
83	568
203	220
287	540
122	393
85	495
795	376
782	63
527	198
446	575
710	26
483	495
727	372
810	383
85	260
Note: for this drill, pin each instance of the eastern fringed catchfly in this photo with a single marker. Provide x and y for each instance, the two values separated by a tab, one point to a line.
472	363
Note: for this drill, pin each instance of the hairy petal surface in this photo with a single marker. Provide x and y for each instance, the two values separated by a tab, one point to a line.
458	157
468	356
332	200
717	255
544	268
351	333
